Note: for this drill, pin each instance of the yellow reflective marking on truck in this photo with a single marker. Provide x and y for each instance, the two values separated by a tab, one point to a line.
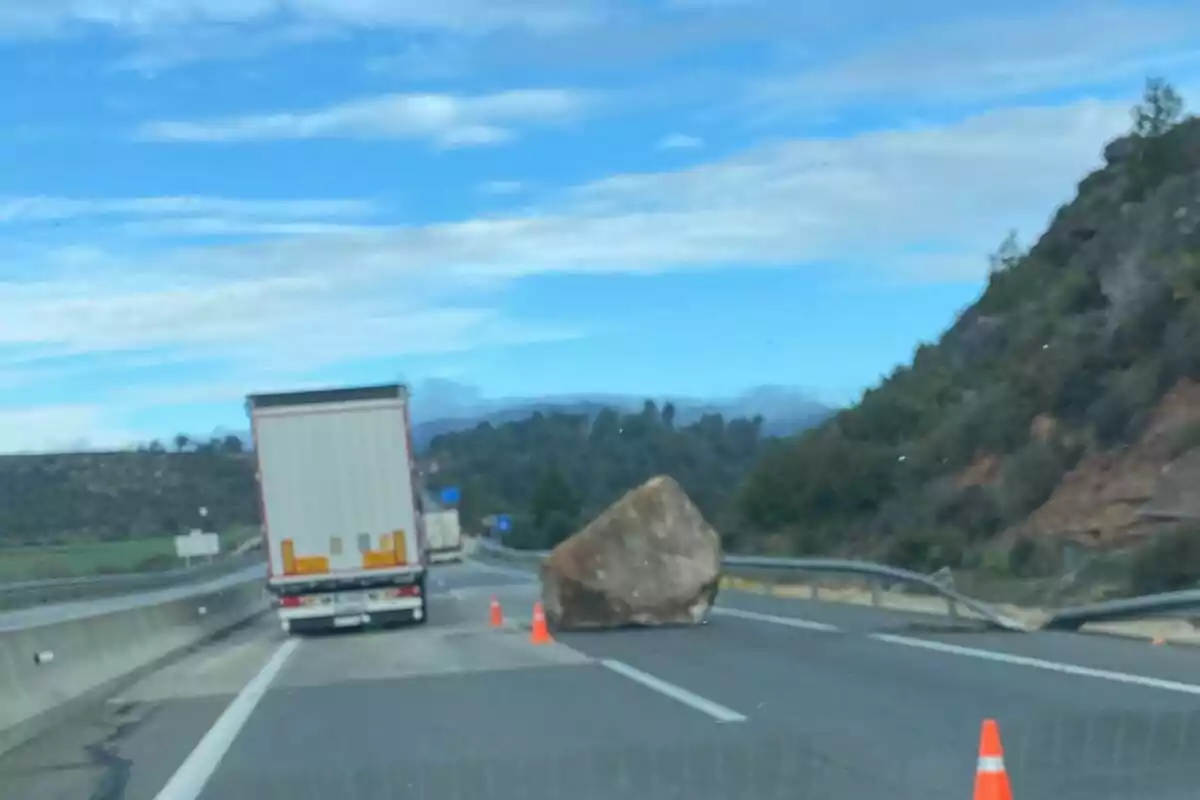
401	548
377	559
288	547
312	565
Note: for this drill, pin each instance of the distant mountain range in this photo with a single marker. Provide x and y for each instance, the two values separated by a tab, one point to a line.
441	406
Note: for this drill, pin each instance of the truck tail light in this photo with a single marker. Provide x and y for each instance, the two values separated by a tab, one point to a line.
405	591
297	600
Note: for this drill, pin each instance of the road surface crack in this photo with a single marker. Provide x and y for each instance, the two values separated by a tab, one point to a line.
116	769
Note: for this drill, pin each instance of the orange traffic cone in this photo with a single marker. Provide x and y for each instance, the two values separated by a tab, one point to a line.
991	779
538	633
497	616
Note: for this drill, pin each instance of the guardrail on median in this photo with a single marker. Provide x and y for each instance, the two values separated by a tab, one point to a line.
24	594
877	573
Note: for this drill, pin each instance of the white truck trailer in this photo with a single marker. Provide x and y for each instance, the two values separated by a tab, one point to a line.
342	525
444	535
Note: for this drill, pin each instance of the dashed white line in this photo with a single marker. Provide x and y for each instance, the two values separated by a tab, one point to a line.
678	693
977	652
188	781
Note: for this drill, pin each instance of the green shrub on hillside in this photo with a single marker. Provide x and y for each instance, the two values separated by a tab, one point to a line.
1170	562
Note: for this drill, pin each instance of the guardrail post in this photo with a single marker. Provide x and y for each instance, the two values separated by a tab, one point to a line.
876	596
952	608
814	590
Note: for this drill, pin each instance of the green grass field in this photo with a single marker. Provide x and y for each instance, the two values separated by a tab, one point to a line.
97	558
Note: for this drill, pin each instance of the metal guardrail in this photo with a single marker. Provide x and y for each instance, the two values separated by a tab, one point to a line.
865	569
879	572
25	594
1150	605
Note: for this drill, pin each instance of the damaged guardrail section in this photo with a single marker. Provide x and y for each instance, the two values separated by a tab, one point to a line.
25	594
877	573
1183	604
51	664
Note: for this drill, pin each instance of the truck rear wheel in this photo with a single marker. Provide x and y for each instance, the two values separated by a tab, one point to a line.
424	603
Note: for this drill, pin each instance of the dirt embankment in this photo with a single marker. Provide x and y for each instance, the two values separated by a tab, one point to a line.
1111	498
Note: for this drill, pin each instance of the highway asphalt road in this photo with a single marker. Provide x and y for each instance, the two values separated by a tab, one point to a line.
772	699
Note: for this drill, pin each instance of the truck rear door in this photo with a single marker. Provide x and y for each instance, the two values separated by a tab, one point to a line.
337	486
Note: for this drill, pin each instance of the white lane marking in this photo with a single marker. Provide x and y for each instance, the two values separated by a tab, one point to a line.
715	710
202	762
791	622
976	652
1038	663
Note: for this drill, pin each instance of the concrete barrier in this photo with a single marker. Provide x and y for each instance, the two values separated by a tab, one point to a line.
48	671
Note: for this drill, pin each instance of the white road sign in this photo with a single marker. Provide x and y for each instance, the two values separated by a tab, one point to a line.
197	543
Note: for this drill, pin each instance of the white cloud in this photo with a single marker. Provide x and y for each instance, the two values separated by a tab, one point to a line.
500	187
295	303
313	316
196	217
447	57
680	141
59	428
214	227
986	57
447	120
15	210
146	17
636	39
813	199
785	203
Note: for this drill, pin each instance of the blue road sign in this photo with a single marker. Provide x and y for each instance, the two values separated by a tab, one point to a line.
503	523
451	495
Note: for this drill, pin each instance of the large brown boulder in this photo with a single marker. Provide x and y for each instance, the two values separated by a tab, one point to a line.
649	559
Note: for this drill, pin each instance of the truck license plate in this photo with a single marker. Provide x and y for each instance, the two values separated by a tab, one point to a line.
351	601
348	622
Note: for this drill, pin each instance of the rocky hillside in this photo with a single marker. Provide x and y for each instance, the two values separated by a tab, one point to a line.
1061	406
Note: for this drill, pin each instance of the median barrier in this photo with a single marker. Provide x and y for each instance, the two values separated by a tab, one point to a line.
26	594
49	671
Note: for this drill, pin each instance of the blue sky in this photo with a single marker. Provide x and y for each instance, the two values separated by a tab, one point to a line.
204	198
